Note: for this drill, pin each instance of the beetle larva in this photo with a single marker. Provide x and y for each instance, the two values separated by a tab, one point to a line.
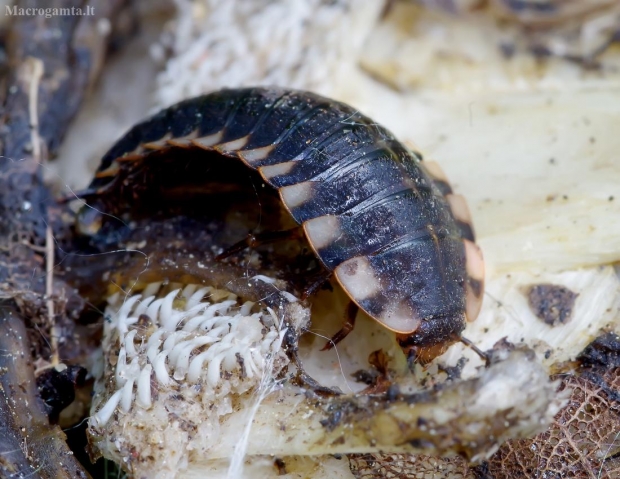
384	223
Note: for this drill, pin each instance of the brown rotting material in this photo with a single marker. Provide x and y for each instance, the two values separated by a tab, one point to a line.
551	303
30	446
51	62
583	441
408	466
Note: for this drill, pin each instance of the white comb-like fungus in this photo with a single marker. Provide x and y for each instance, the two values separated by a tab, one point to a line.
199	376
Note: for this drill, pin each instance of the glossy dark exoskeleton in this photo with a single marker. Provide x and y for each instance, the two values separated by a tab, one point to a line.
386	224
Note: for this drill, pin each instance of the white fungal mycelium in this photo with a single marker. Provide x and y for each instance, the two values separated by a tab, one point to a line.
176	357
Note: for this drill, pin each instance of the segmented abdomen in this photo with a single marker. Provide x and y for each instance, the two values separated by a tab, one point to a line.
372	214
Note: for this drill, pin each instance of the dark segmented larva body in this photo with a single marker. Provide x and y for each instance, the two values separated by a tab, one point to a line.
395	237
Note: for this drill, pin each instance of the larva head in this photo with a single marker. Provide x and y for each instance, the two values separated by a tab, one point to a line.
433	337
424	293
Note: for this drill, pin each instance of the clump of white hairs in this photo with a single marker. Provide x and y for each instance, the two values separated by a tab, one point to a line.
175	360
217	44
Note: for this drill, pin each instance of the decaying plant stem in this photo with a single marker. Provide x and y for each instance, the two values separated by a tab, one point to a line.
51	64
30	446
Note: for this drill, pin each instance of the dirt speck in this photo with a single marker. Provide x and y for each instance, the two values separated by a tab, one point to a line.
552	303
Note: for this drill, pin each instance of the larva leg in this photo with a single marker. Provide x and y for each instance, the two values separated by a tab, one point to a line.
254	240
349	324
316	283
484	356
